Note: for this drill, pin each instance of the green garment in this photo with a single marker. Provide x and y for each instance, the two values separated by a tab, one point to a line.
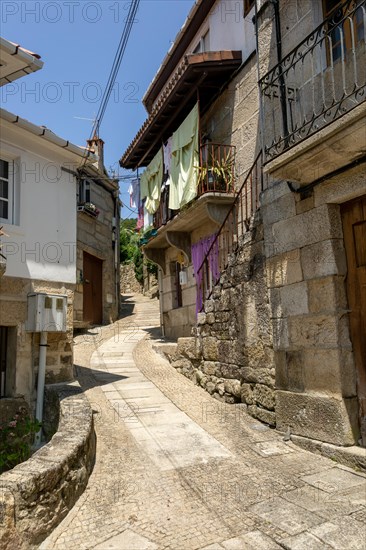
150	183
185	160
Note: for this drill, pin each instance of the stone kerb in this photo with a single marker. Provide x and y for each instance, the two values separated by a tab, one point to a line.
37	494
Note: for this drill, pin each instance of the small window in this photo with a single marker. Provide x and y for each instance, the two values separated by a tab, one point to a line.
84	191
48	302
6	191
59	304
206	42
203	44
248	5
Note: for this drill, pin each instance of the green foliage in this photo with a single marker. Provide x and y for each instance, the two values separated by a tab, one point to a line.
138	260
129	223
128	240
130	249
16	439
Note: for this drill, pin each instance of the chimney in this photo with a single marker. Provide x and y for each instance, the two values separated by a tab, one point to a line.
97	144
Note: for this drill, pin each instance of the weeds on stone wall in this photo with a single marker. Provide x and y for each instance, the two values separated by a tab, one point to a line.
16	439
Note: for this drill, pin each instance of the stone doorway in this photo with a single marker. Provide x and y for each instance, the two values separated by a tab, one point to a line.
354	230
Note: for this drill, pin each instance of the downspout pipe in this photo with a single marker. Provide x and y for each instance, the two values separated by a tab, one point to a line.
261	114
160	281
40	386
276	7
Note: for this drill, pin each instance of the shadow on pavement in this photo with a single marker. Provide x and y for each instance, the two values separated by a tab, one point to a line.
126	305
154	332
92	378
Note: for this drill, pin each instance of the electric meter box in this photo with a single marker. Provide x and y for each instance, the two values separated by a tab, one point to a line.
183	279
46	313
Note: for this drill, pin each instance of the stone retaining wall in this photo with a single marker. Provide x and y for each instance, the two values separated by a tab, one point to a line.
129	283
231	352
37	494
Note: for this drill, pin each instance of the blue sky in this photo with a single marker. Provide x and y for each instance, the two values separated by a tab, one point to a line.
77	41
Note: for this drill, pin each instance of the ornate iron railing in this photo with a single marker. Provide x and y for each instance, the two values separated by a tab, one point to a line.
216	174
320	80
235	225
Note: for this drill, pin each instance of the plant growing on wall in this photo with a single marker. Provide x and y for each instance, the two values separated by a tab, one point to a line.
16	438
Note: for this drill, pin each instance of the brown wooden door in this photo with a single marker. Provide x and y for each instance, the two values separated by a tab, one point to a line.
354	230
92	290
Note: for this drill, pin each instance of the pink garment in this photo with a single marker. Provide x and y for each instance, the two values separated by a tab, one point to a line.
199	252
140	217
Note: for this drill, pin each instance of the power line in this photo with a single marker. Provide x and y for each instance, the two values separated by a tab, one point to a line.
114	70
117	62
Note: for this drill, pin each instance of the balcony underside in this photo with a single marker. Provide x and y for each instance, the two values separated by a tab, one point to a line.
211	207
333	147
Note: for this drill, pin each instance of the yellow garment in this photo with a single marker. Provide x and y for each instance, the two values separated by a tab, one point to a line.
185	160
150	183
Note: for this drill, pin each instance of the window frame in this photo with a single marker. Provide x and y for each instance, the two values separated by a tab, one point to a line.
203	44
84	189
10	198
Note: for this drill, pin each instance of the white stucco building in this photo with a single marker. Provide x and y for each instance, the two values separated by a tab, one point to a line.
38	213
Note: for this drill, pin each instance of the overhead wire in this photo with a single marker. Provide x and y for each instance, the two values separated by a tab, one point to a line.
117	62
134	4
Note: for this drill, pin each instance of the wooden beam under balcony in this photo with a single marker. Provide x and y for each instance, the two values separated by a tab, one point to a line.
200	74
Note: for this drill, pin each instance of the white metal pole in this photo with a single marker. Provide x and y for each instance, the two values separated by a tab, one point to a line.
160	284
40	385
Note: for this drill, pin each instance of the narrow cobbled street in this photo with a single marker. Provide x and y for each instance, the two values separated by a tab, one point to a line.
177	469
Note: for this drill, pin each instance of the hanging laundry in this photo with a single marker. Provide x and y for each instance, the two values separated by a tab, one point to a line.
134	191
167	153
148	218
150	183
199	252
184	162
140	216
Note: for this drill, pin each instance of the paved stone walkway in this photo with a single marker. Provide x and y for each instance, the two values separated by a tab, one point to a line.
176	469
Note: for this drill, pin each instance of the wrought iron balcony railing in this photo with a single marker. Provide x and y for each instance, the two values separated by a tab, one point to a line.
216	174
216	169
320	80
236	224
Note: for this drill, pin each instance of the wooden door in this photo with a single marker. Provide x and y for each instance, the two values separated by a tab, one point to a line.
354	230
92	290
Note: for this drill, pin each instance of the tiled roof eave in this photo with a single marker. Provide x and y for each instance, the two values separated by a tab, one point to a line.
197	63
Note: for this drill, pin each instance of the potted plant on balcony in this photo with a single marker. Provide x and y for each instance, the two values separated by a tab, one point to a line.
217	174
89	208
